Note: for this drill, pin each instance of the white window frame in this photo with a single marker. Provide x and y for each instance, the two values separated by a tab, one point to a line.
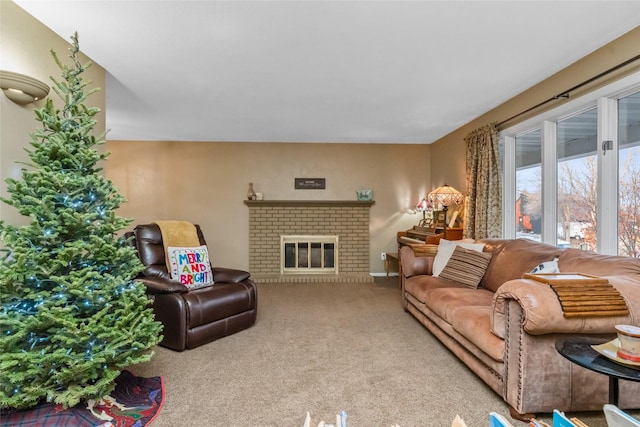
605	100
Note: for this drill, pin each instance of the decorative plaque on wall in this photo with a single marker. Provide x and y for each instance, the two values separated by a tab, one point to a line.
310	183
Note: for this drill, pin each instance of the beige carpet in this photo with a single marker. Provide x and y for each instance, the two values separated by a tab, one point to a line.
324	348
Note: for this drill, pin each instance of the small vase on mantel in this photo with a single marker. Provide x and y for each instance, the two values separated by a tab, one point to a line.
251	195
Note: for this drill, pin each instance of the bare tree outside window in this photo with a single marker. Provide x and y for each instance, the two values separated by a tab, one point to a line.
629	175
577	201
629	205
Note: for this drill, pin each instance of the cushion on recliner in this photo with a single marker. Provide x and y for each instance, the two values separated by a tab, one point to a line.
190	266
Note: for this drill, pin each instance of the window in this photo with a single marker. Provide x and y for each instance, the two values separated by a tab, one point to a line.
577	195
529	184
572	174
629	175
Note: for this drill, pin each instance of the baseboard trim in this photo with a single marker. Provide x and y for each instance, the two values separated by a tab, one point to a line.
313	278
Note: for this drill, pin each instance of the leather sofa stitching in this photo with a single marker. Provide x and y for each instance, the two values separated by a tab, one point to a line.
520	362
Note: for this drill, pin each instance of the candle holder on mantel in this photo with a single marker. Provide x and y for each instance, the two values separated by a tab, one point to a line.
251	194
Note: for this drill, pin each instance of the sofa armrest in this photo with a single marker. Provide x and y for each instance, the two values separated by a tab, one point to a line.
414	265
229	275
160	285
542	312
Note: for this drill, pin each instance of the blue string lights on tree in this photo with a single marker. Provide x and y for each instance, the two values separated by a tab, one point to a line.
71	315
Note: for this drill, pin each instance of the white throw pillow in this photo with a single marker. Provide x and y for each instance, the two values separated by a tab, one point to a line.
548	267
446	248
190	266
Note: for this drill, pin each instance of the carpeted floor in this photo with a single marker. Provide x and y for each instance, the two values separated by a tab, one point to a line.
325	348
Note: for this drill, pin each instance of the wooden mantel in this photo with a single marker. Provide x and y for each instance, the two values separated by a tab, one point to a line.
311	203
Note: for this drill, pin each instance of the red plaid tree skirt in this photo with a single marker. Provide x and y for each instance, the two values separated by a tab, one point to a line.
135	402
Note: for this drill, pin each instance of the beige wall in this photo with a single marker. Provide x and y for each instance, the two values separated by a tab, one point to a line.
207	182
26	46
452	146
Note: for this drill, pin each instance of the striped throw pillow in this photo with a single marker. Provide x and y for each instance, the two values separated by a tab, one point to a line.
466	266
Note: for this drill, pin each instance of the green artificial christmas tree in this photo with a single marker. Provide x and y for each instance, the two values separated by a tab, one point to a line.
71	316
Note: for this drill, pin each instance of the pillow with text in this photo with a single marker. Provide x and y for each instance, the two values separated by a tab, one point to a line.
190	266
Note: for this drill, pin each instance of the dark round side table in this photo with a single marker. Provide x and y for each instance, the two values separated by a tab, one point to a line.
578	350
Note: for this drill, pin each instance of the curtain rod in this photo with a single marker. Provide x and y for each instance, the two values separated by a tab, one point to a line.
565	94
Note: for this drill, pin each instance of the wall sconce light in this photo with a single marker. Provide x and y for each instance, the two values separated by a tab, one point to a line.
22	89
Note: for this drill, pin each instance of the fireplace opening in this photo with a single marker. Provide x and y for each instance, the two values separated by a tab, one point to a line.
309	254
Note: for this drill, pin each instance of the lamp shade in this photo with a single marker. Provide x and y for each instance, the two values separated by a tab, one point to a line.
422	205
445	196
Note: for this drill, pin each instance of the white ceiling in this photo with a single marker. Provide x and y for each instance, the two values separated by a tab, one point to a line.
323	71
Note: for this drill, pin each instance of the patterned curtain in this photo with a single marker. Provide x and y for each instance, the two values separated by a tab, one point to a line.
483	209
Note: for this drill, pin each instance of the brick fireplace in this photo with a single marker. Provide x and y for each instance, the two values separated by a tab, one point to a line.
271	219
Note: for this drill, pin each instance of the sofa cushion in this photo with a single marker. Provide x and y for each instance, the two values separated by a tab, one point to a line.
445	250
515	258
586	262
474	323
444	301
419	286
466	266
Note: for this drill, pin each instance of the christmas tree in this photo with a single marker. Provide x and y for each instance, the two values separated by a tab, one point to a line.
71	315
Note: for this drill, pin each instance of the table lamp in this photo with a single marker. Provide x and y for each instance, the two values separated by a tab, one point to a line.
445	196
422	206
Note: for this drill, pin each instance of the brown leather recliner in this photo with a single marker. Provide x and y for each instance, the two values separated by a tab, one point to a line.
192	317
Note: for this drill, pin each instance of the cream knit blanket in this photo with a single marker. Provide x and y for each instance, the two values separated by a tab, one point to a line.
177	233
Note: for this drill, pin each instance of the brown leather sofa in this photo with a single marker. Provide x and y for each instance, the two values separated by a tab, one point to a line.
198	316
505	330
